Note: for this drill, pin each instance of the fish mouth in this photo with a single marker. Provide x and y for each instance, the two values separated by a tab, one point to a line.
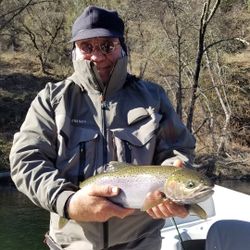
204	194
194	197
206	190
197	196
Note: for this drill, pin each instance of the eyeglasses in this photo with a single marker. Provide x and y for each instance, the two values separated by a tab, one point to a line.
106	47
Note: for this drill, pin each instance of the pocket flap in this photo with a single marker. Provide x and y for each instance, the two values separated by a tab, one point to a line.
139	134
135	139
73	134
136	115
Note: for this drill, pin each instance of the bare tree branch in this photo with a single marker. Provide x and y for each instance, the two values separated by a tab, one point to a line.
18	11
204	21
225	40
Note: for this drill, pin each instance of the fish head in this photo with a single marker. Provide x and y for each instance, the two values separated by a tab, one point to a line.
187	186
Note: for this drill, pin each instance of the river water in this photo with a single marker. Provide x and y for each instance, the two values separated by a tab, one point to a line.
23	225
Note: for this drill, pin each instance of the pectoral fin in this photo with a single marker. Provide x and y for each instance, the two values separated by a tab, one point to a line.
197	210
153	199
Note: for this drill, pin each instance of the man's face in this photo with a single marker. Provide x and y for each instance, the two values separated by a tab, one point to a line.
103	52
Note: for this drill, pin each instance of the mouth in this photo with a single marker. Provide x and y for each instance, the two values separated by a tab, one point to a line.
204	194
103	68
196	196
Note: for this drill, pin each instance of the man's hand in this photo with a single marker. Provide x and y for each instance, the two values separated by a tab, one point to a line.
179	164
167	208
90	204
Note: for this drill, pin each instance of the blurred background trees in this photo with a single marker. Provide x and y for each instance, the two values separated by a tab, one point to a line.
197	50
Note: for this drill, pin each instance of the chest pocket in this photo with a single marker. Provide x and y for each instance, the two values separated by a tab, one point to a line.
80	154
136	143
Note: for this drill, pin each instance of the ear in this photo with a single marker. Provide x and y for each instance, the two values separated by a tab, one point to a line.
123	45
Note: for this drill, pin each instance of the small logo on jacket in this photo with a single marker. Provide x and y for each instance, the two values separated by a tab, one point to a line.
78	122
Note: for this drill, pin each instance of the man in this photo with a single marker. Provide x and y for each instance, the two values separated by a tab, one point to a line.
75	127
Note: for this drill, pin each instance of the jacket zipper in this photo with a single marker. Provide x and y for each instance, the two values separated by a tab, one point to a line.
82	162
128	156
104	107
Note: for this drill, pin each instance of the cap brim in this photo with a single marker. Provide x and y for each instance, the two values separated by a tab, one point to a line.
86	34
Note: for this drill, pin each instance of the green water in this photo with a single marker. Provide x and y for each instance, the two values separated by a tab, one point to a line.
22	224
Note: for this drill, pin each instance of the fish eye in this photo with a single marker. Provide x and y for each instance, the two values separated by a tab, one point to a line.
190	184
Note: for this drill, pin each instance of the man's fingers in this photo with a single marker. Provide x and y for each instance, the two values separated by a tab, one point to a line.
175	209
153	199
159	212
104	191
167	209
109	191
179	163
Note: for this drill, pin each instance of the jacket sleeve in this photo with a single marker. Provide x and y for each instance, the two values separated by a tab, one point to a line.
33	157
174	141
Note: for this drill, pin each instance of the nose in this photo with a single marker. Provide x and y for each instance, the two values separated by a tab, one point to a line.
97	55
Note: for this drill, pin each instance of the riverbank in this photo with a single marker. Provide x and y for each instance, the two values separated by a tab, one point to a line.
231	166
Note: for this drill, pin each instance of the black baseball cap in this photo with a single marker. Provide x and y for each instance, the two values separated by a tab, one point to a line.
97	22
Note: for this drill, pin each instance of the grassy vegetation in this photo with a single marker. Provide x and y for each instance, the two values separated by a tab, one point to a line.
20	81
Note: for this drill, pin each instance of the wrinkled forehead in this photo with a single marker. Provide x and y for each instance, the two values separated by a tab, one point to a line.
97	40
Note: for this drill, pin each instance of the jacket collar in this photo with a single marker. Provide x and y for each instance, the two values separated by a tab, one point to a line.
87	77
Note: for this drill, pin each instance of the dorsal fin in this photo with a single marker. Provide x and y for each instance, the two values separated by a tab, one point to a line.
113	166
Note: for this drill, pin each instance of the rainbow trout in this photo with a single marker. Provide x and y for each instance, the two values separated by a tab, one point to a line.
180	185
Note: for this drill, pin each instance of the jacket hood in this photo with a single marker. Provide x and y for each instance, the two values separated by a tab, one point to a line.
87	77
